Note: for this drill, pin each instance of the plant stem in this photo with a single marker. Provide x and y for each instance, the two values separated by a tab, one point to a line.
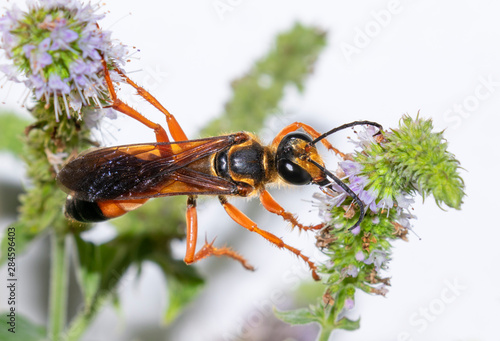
81	322
324	333
58	286
78	326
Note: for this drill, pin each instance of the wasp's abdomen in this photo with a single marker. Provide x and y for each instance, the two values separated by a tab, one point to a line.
94	212
84	211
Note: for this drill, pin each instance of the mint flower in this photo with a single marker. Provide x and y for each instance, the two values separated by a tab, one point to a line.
386	172
56	48
412	160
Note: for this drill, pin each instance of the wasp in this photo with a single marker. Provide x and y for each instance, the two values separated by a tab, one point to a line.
105	183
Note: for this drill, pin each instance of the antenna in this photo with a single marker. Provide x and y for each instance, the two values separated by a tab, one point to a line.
344	126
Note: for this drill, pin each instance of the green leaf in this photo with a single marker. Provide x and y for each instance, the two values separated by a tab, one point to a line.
297	316
346	324
183	282
102	266
12	132
181	289
25	330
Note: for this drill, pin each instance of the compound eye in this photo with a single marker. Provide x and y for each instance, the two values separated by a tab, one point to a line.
293	173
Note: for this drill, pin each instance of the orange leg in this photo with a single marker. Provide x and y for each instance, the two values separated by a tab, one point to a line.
117	104
240	218
208	249
173	126
191	229
308	129
272	206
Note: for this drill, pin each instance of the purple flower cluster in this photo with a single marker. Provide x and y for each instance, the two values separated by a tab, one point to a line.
9	21
359	184
57	51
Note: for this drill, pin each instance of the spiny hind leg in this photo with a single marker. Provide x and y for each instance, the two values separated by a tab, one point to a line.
208	249
173	126
117	104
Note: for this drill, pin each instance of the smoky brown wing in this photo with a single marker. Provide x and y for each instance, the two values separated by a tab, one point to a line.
182	182
138	171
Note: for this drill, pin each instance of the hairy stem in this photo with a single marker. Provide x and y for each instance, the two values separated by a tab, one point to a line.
58	286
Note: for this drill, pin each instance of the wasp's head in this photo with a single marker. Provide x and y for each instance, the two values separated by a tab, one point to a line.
296	158
298	162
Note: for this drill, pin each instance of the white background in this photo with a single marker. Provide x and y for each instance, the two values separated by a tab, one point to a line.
383	59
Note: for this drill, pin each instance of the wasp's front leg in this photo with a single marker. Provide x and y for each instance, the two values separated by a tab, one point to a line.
272	206
240	218
308	129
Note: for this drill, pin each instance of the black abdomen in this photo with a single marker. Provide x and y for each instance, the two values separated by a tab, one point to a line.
83	211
